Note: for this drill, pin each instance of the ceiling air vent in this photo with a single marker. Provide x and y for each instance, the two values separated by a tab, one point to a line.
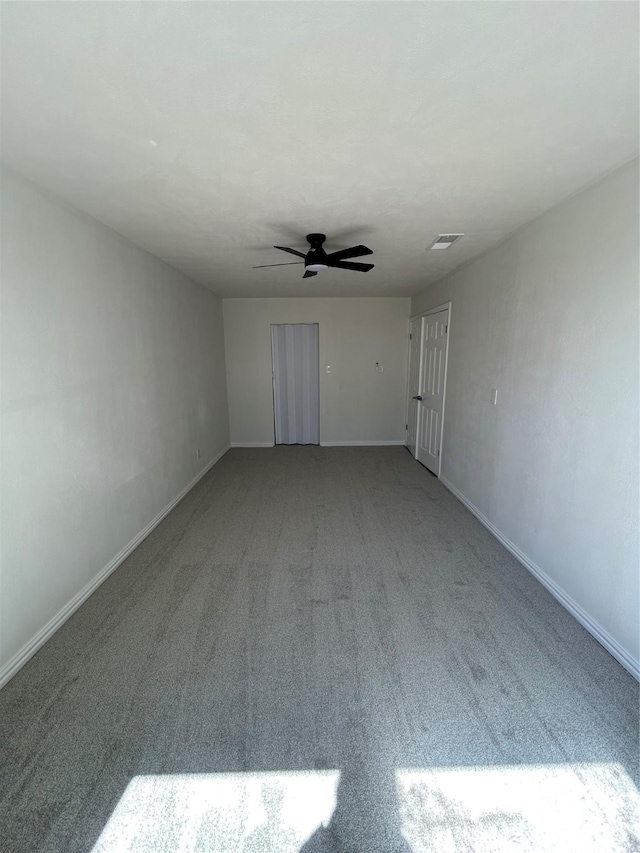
443	241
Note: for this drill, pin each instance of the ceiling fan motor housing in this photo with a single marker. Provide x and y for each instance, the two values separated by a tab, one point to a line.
315	259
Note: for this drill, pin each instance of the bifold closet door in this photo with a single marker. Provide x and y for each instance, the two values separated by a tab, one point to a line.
296	383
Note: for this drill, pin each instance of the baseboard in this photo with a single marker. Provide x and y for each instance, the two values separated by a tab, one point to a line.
323	443
18	660
361	443
251	444
594	628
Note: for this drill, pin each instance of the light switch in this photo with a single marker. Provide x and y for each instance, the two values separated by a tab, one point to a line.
379	367
494	396
327	368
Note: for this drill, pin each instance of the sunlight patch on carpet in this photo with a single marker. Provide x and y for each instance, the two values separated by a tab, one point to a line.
573	808
221	812
584	807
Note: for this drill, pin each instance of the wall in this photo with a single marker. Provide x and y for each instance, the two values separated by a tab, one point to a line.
550	319
113	375
357	405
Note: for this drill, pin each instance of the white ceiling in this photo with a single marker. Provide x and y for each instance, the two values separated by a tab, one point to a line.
396	121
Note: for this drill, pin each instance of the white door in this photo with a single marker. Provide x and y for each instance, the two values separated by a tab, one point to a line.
432	379
415	349
296	383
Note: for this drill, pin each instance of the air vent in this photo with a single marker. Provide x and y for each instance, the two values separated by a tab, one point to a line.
443	241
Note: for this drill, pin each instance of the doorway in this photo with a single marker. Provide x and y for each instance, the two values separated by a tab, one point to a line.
296	383
428	351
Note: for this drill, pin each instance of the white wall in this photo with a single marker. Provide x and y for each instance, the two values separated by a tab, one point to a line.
550	319
357	404
113	375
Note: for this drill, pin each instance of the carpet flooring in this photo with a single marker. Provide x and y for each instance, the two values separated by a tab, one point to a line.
320	649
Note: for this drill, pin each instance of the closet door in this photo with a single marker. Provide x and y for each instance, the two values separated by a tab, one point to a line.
296	383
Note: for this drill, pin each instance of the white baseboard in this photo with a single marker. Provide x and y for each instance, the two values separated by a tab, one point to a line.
26	652
361	443
251	444
322	443
594	628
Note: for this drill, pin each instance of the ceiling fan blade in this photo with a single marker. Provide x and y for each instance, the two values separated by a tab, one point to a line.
290	264
342	265
292	251
353	252
309	273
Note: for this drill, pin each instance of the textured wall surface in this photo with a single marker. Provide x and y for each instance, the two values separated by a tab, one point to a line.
113	377
550	319
357	403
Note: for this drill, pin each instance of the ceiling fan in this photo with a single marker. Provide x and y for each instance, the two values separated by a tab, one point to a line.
317	259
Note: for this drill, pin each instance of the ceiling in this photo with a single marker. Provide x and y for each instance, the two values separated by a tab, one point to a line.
207	132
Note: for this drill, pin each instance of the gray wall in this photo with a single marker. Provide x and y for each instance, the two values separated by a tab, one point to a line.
113	376
357	404
550	319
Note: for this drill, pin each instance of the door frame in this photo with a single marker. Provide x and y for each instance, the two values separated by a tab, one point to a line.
434	310
406	393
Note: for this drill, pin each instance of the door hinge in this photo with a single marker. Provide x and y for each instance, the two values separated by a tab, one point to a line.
410	336
446	328
406	426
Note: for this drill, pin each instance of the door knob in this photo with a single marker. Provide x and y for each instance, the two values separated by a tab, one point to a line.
417	398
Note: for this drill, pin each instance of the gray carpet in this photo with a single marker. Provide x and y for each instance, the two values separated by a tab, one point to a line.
320	649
